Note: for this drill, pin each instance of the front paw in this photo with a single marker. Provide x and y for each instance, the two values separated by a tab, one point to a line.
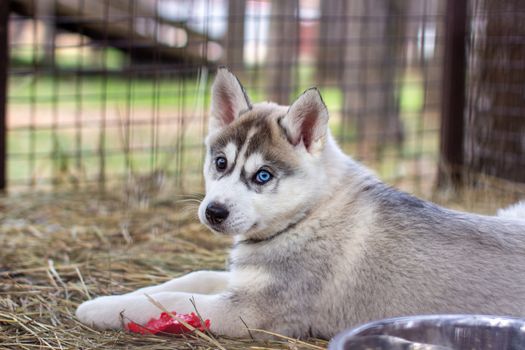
112	312
100	313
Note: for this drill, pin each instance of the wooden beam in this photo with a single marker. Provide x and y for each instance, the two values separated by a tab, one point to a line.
453	95
115	30
4	57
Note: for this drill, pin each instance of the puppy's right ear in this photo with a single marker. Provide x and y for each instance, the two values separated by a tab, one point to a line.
228	100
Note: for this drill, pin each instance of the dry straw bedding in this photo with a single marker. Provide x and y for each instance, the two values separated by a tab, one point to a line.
59	249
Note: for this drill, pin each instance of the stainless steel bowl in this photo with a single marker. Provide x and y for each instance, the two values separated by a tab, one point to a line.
435	332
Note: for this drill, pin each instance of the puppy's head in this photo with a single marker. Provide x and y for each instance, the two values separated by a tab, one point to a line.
263	166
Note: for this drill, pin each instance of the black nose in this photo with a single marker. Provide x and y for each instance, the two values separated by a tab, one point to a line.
216	213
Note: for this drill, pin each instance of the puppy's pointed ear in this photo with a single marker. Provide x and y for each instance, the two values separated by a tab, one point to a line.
307	119
228	100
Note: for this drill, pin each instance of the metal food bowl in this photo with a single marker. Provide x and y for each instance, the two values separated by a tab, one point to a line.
435	332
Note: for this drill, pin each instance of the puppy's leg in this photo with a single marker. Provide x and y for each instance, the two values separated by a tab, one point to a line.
200	282
113	312
104	312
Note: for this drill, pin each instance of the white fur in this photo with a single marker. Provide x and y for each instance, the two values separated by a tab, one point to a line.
515	211
216	281
229	190
255	277
254	162
230	151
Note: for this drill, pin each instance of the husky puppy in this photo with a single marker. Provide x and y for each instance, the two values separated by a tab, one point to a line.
321	244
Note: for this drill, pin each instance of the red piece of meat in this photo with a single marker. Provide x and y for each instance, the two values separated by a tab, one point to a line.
167	324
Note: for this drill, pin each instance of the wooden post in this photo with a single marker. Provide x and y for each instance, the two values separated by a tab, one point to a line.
4	57
283	44
453	95
495	113
235	35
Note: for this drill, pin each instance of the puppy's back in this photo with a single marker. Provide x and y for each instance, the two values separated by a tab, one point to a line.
434	260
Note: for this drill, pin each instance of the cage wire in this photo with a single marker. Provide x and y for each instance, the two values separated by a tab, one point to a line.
109	91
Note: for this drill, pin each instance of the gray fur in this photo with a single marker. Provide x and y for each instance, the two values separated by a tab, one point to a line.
339	249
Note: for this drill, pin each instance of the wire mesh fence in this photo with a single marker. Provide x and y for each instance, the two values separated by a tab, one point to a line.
103	91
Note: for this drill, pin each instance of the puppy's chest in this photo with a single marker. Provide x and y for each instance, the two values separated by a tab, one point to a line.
292	255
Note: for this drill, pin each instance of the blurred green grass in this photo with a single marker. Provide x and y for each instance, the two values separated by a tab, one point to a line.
92	91
57	149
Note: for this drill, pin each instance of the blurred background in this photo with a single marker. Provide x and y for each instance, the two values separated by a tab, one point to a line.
104	107
115	94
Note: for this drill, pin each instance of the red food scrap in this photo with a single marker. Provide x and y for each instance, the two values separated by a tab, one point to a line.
167	324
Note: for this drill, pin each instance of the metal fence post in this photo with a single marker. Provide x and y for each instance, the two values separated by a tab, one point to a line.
4	57
453	95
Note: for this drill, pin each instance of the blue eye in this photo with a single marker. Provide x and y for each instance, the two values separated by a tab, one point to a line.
262	177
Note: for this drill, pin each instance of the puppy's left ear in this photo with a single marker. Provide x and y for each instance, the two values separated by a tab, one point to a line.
306	120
